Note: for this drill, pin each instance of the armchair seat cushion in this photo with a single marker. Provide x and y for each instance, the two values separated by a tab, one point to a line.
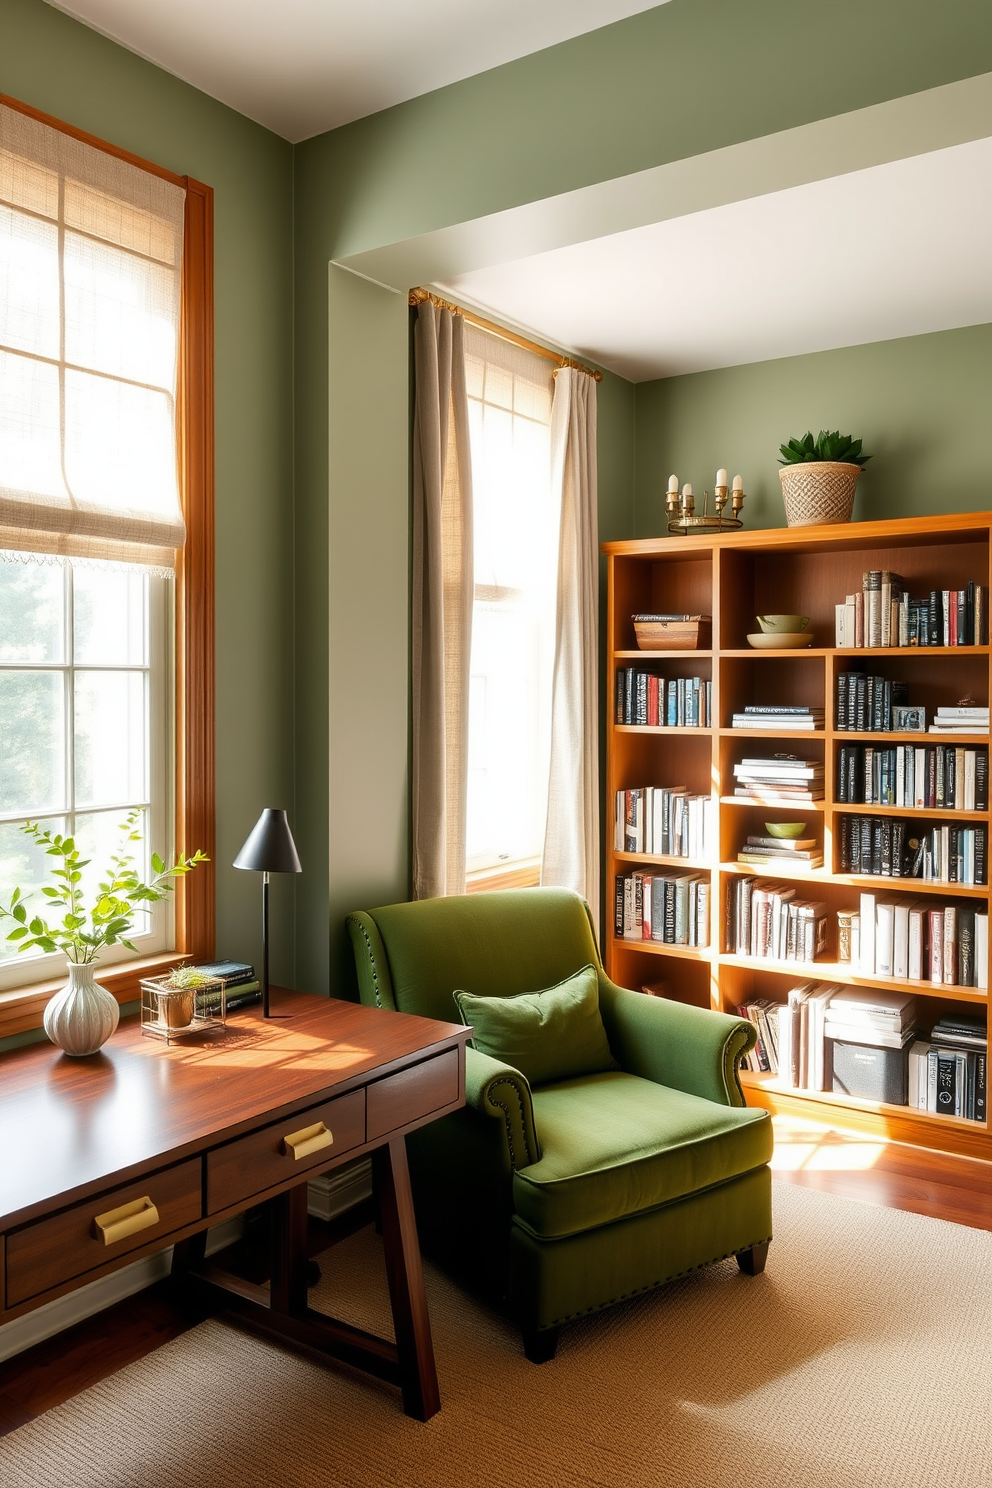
614	1145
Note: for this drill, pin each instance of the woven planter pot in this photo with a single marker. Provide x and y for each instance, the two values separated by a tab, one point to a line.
819	492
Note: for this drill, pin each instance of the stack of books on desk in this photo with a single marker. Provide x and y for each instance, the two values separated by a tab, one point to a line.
783	777
794	852
948	1072
961	720
241	986
783	717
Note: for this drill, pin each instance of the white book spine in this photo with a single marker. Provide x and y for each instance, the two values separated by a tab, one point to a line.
900	941
914	968
884	939
982	952
867	928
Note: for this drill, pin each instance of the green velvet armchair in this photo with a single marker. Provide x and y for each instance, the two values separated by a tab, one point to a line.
566	1198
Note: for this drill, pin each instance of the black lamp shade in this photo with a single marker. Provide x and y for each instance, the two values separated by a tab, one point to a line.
270	847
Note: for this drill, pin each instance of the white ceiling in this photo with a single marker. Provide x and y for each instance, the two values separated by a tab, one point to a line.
895	250
303	66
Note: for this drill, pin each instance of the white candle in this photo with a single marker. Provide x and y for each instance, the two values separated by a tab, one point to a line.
673	483
687	489
738	483
721	477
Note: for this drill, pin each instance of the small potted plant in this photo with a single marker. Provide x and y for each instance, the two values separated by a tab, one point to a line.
82	1017
819	477
174	995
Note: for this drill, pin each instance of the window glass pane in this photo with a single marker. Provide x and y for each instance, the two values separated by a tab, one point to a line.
32	609
29	284
99	838
109	617
32	741
119	445
119	313
110	738
25	866
30	449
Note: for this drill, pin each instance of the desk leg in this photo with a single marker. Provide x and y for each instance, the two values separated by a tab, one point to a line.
289	1252
188	1254
418	1376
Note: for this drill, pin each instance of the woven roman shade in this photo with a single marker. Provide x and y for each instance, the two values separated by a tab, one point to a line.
90	278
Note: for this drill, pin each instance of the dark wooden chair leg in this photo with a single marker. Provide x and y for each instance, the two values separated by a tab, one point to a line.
288	1286
752	1260
405	1272
541	1344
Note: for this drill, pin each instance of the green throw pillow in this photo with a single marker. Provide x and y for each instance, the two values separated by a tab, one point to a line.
550	1035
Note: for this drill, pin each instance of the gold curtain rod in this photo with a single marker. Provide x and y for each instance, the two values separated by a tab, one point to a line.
418	296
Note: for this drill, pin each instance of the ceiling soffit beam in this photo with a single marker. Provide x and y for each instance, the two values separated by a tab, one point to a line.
897	130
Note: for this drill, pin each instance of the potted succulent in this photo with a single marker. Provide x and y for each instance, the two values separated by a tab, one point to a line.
819	477
83	1015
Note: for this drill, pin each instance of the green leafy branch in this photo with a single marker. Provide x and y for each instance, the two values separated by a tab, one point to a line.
81	932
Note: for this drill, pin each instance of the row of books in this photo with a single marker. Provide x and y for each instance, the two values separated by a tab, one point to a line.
664	820
890	847
917	940
676	702
768	852
771	717
673	908
769	921
882	614
936	777
864	704
782	777
948	1073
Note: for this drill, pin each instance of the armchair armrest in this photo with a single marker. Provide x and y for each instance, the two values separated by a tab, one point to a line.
687	1048
500	1092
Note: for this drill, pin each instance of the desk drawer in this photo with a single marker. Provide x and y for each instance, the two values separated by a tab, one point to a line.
50	1251
242	1169
412	1093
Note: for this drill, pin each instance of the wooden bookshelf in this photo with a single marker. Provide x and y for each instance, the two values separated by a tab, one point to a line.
796	570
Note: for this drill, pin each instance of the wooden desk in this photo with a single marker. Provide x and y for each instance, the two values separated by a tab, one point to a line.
181	1138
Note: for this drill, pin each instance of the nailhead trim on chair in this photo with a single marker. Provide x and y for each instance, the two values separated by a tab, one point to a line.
504	1107
368	947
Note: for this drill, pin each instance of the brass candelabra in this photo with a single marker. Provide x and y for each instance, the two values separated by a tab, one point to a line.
681	506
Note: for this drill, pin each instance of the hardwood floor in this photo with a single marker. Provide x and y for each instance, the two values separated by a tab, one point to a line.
831	1159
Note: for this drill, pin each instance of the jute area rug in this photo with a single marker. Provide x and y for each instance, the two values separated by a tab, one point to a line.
860	1358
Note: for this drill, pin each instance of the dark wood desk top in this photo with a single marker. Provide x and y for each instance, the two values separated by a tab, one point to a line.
69	1125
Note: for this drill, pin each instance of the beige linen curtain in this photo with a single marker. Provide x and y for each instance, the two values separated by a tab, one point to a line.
571	843
442	603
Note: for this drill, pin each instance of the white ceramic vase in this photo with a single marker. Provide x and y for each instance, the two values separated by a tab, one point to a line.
81	1018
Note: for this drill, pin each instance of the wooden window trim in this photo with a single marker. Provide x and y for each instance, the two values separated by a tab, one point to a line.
523	874
21	1008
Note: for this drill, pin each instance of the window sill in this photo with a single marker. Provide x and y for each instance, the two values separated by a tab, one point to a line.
523	874
21	1008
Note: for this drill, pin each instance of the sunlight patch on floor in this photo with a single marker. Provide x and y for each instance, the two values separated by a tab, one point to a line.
808	1146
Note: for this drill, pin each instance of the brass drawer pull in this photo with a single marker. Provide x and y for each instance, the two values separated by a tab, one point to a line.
308	1139
117	1224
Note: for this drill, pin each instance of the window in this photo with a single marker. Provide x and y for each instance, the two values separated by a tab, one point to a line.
106	630
516	519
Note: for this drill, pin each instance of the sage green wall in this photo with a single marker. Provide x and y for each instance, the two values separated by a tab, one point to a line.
67	70
921	404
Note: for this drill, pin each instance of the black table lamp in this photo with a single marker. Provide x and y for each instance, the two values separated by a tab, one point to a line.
270	849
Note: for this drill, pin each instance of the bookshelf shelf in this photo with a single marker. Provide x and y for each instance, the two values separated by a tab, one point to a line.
733	577
659	728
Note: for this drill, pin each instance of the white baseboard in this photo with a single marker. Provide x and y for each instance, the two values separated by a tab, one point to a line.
53	1317
337	1192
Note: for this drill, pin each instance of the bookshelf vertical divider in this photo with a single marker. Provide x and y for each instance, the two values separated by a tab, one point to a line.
733	577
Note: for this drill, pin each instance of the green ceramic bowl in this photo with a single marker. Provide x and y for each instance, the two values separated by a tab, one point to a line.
785	829
782	624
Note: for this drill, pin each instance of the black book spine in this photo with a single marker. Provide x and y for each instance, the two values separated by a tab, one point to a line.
952	854
852	700
969	615
865	827
982	780
981	1084
946	1069
853	761
878	847
621	693
853	844
931	784
618	907
841	701
887	707
980	865
628	696
962	603
641	702
669	911
950	778
898	846
842	774
861	700
870	691
934	618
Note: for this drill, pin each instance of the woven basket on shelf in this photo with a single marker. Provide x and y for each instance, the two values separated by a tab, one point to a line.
818	492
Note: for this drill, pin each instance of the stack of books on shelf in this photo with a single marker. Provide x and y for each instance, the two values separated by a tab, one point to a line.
671	908
919	941
241	987
665	821
648	700
889	847
802	1051
937	777
963	719
883	614
864	704
771	717
784	777
948	1072
767	921
794	852
764	1014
